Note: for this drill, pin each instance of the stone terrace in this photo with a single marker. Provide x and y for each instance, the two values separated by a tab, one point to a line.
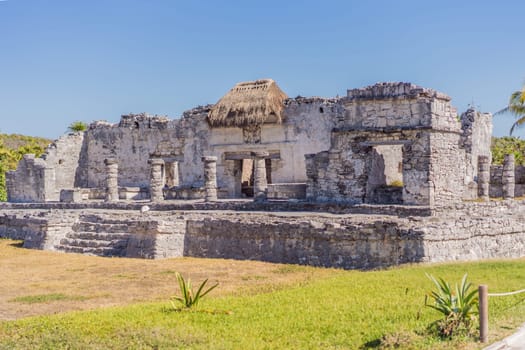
343	236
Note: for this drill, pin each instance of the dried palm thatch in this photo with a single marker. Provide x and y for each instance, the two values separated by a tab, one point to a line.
249	103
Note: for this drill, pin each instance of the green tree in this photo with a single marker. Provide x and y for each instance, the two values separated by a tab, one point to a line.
9	156
507	145
77	126
516	106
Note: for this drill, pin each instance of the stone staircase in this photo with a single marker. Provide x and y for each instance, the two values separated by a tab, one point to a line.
95	235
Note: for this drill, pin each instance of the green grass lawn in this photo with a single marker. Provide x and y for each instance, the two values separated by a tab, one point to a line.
349	310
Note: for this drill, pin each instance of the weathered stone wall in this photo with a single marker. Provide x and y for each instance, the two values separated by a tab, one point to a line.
39	230
28	182
308	241
41	179
63	156
473	231
421	122
496	175
342	173
77	160
385	106
360	144
462	231
131	142
475	140
306	129
447	168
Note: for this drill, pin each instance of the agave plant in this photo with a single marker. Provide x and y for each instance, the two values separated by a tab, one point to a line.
458	305
189	297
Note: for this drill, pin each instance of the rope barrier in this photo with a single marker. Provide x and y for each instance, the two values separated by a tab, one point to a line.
505	294
483	297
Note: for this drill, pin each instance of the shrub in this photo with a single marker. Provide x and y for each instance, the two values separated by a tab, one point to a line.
458	306
396	183
77	126
189	298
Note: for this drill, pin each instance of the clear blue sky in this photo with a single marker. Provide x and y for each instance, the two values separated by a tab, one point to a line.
64	60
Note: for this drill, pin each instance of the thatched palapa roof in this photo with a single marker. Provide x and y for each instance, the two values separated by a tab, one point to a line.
249	103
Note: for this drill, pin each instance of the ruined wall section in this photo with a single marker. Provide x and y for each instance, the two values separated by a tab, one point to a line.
63	156
41	179
305	129
446	179
131	142
420	119
476	140
386	106
496	177
28	182
195	137
369	239
347	244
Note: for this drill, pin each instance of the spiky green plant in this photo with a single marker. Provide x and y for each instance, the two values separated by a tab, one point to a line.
516	106
458	305
188	297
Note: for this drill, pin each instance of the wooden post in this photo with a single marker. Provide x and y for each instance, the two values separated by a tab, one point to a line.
483	313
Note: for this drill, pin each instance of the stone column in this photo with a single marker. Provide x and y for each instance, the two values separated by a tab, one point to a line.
210	178
259	176
175	173
507	181
155	180
111	179
483	177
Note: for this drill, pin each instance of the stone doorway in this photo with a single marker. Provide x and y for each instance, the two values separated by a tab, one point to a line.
239	172
385	174
247	175
171	173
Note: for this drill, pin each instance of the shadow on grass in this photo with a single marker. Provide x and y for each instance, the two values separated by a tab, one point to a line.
373	344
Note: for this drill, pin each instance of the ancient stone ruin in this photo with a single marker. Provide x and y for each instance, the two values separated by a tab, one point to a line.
387	174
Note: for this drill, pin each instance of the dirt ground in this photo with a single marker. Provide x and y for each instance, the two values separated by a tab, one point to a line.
87	282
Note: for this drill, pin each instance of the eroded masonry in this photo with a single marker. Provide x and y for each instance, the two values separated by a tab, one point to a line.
387	174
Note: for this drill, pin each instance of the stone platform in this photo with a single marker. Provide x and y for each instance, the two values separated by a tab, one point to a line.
319	234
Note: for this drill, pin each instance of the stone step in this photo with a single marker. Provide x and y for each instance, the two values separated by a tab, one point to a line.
89	243
100	251
109	227
98	236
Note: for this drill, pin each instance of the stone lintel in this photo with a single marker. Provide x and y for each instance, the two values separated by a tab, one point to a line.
260	154
385	143
248	155
209	159
156	161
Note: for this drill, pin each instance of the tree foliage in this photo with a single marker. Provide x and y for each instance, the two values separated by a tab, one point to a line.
516	106
12	149
508	145
77	126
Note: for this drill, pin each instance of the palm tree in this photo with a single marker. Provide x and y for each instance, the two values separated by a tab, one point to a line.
77	126
516	106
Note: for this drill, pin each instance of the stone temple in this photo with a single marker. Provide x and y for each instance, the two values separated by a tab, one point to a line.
386	174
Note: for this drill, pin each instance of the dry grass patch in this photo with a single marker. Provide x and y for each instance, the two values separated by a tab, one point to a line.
88	282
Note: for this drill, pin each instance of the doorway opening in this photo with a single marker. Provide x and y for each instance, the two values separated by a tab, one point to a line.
247	175
385	174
